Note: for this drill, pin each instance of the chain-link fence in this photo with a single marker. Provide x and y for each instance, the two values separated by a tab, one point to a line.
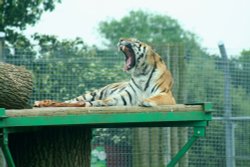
199	77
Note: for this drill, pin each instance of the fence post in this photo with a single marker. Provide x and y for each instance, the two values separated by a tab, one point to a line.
2	36
173	60
183	131
229	130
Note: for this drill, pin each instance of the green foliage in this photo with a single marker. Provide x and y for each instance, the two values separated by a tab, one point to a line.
19	13
240	70
156	29
72	60
204	82
15	15
64	69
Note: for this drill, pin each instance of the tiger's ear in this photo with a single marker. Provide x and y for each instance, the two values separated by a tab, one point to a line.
129	39
134	40
137	40
151	45
121	39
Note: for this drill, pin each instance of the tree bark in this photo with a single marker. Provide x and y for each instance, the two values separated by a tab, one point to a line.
141	147
183	132
147	147
52	147
15	86
155	146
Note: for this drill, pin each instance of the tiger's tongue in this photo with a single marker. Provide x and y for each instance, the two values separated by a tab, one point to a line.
127	64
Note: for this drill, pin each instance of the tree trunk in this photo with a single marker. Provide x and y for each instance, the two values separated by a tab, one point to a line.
135	148
15	86
174	142
141	148
155	145
147	148
183	132
173	58
52	147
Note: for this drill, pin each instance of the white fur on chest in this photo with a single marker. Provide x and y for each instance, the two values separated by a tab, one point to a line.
142	82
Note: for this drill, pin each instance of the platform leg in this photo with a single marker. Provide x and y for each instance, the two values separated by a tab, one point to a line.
5	148
198	132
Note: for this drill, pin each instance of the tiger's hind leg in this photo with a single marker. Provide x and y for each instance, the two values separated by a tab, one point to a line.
51	103
160	99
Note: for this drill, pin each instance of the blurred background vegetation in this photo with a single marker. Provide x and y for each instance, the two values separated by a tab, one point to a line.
66	68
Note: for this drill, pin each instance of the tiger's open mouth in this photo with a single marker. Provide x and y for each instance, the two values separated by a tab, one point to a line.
129	56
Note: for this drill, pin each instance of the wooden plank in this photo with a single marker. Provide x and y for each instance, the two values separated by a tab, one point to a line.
61	111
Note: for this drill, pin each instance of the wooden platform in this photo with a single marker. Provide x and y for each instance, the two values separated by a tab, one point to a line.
196	115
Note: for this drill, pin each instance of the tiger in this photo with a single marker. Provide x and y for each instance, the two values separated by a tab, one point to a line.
150	84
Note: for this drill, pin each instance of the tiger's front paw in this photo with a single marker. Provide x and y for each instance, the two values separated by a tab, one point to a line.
147	104
44	103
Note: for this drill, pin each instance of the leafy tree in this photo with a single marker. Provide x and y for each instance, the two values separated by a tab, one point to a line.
15	15
64	69
240	70
152	28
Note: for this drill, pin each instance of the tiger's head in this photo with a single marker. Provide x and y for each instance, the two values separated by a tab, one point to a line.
135	53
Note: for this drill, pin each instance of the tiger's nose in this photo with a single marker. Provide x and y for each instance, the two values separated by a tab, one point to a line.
121	39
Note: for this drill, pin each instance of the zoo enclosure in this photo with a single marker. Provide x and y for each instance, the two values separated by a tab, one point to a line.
60	75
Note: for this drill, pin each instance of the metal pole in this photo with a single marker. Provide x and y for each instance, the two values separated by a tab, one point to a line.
230	159
6	149
2	36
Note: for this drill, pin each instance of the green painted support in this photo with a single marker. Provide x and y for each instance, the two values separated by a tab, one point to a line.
156	119
4	143
196	116
198	132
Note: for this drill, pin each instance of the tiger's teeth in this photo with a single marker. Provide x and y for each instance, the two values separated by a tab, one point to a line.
123	48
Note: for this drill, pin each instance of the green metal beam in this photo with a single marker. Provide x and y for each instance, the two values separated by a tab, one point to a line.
198	132
5	148
122	119
182	152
